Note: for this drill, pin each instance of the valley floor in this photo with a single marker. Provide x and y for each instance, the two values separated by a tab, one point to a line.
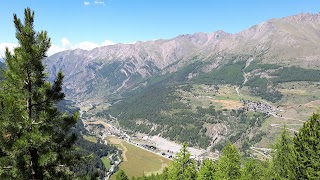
298	103
137	161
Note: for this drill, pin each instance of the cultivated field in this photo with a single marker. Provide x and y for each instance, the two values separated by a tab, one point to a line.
226	97
137	161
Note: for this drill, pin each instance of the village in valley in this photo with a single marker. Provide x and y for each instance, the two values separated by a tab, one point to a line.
262	107
104	128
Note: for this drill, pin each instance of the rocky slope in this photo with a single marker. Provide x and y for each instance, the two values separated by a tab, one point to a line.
289	41
116	67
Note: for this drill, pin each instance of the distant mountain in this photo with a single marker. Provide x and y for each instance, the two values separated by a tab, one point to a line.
111	69
154	86
292	40
289	41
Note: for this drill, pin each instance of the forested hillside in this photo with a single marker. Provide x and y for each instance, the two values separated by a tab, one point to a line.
91	164
289	160
166	105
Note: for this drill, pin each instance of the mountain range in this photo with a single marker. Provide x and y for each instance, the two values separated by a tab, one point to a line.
289	41
259	61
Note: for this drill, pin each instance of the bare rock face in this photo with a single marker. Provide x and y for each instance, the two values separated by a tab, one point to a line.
293	40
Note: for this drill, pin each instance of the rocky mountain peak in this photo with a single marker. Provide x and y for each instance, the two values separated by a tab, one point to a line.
303	17
293	40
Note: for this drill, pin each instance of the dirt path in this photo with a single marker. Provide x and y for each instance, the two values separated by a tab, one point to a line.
313	104
123	148
258	150
237	90
123	83
245	75
286	118
281	126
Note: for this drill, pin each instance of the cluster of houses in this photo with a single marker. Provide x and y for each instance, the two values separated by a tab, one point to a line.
261	107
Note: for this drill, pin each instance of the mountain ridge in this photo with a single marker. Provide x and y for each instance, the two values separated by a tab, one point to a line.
277	41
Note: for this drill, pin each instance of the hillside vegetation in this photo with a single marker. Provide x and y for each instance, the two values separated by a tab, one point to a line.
168	105
158	87
289	160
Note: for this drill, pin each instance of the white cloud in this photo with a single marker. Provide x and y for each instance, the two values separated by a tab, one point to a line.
99	2
131	42
107	42
85	45
54	49
86	3
3	46
65	45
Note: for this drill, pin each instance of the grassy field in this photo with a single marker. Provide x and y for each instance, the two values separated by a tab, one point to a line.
138	162
106	162
224	98
90	138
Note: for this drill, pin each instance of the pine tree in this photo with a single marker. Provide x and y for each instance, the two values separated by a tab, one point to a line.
164	175
121	175
228	165
35	140
253	169
182	167
307	147
283	158
207	170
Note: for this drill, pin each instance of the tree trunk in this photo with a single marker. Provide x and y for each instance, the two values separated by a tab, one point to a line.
35	171
29	89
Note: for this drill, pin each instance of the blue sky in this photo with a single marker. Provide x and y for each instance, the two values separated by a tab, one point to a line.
91	23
